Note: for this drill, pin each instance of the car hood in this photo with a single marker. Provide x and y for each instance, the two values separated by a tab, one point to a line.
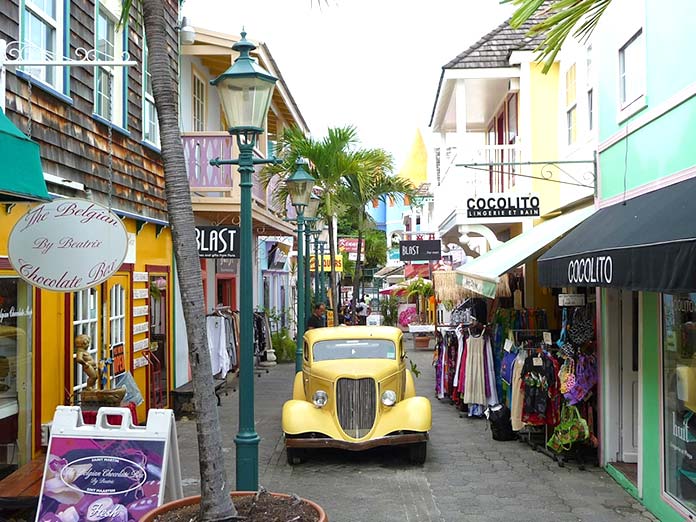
378	369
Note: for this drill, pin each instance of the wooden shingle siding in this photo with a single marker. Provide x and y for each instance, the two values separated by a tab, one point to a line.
74	145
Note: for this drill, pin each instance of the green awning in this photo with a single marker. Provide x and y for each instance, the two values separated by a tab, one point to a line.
483	273
21	175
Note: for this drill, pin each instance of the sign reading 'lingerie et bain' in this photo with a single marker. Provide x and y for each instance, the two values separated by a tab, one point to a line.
67	245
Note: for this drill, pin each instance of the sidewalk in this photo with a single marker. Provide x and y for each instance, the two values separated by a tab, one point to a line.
468	476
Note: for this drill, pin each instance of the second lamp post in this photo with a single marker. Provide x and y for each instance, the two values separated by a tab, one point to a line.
300	184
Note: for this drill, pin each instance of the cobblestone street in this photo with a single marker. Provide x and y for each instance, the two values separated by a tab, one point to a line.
467	476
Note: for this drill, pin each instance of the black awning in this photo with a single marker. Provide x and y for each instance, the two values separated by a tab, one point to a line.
647	243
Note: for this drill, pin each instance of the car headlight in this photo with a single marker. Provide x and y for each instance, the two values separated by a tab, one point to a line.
320	398
389	398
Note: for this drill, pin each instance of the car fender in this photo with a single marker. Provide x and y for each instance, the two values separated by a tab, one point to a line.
413	414
298	388
303	417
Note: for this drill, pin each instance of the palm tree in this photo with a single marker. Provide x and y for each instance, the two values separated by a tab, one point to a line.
330	161
371	181
562	16
216	503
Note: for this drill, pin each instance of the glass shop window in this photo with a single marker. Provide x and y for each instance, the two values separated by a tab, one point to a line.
679	381
15	374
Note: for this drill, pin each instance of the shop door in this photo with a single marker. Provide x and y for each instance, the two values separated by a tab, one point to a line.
628	403
159	342
226	292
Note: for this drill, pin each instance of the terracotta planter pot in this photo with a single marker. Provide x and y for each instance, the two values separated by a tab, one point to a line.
421	341
187	501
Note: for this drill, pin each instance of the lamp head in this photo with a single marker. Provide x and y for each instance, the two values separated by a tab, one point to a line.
187	33
313	206
245	90
300	184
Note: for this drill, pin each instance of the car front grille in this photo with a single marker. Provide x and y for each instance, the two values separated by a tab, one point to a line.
356	404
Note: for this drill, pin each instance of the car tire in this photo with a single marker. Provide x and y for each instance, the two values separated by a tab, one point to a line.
295	456
417	453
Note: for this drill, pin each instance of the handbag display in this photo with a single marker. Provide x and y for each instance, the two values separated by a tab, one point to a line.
572	428
501	425
566	375
585	379
581	329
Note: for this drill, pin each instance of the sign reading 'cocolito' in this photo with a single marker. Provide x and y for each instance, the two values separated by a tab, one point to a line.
502	205
598	270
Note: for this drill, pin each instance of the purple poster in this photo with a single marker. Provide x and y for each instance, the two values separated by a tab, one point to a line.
101	480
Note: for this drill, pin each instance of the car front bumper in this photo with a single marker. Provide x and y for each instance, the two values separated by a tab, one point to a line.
327	442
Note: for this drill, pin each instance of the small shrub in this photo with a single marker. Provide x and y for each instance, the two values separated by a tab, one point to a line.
283	345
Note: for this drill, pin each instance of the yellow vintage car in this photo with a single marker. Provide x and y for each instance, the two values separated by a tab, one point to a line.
355	392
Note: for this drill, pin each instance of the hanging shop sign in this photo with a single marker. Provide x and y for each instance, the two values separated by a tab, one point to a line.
571	299
502	205
220	241
67	245
424	250
350	245
338	263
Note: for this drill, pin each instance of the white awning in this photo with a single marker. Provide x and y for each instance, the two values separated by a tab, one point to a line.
388	270
483	273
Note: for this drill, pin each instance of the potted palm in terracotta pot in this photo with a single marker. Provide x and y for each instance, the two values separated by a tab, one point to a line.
420	290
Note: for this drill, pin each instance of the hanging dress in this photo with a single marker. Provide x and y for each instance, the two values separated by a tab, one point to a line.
475	385
517	395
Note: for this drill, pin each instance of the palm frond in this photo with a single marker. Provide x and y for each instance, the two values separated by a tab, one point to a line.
564	17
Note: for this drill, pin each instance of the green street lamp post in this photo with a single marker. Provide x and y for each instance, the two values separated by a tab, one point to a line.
319	264
308	281
310	220
245	91
300	184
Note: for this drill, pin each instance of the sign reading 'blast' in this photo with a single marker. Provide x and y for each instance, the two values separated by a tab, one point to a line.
220	241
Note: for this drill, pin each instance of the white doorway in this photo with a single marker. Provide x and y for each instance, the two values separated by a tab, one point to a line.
622	370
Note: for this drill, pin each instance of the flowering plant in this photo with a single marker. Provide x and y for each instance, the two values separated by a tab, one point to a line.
408	316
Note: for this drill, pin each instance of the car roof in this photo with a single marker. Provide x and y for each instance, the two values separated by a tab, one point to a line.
352	332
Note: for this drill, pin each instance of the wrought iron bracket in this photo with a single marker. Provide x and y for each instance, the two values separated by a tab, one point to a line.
217	162
547	170
27	54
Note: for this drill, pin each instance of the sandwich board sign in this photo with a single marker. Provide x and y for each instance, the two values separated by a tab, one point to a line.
109	472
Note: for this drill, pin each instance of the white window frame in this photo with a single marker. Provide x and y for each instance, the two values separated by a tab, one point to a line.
630	102
571	106
85	301
57	24
112	10
198	103
117	323
590	109
150	123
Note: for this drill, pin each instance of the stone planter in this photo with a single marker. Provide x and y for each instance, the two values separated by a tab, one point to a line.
182	502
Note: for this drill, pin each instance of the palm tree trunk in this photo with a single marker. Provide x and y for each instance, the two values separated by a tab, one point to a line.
332	273
215	502
358	266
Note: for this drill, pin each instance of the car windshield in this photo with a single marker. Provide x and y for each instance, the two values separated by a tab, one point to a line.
354	349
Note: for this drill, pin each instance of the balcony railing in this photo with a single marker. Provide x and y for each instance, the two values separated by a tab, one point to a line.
207	181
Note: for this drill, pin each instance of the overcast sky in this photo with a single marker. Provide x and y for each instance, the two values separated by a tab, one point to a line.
374	64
